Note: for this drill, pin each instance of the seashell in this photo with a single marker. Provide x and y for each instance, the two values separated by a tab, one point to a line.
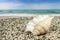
39	24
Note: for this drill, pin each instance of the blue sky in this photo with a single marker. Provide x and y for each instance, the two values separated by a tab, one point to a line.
29	4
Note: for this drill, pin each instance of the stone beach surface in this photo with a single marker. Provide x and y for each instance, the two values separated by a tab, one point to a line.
14	29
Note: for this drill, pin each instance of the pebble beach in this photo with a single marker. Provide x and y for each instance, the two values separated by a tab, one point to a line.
14	29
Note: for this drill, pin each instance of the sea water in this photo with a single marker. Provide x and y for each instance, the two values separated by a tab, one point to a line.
30	11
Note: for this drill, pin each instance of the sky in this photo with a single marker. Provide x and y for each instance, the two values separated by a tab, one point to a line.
29	4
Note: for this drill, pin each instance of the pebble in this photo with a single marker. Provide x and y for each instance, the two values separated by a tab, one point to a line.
13	29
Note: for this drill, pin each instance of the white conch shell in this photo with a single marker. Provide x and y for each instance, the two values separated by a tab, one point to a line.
39	24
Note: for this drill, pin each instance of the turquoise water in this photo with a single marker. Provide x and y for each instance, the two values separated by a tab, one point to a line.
30	11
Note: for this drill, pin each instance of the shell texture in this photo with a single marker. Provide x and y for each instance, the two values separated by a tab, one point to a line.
39	24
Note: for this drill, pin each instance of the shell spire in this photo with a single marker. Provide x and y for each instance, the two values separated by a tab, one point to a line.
39	24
